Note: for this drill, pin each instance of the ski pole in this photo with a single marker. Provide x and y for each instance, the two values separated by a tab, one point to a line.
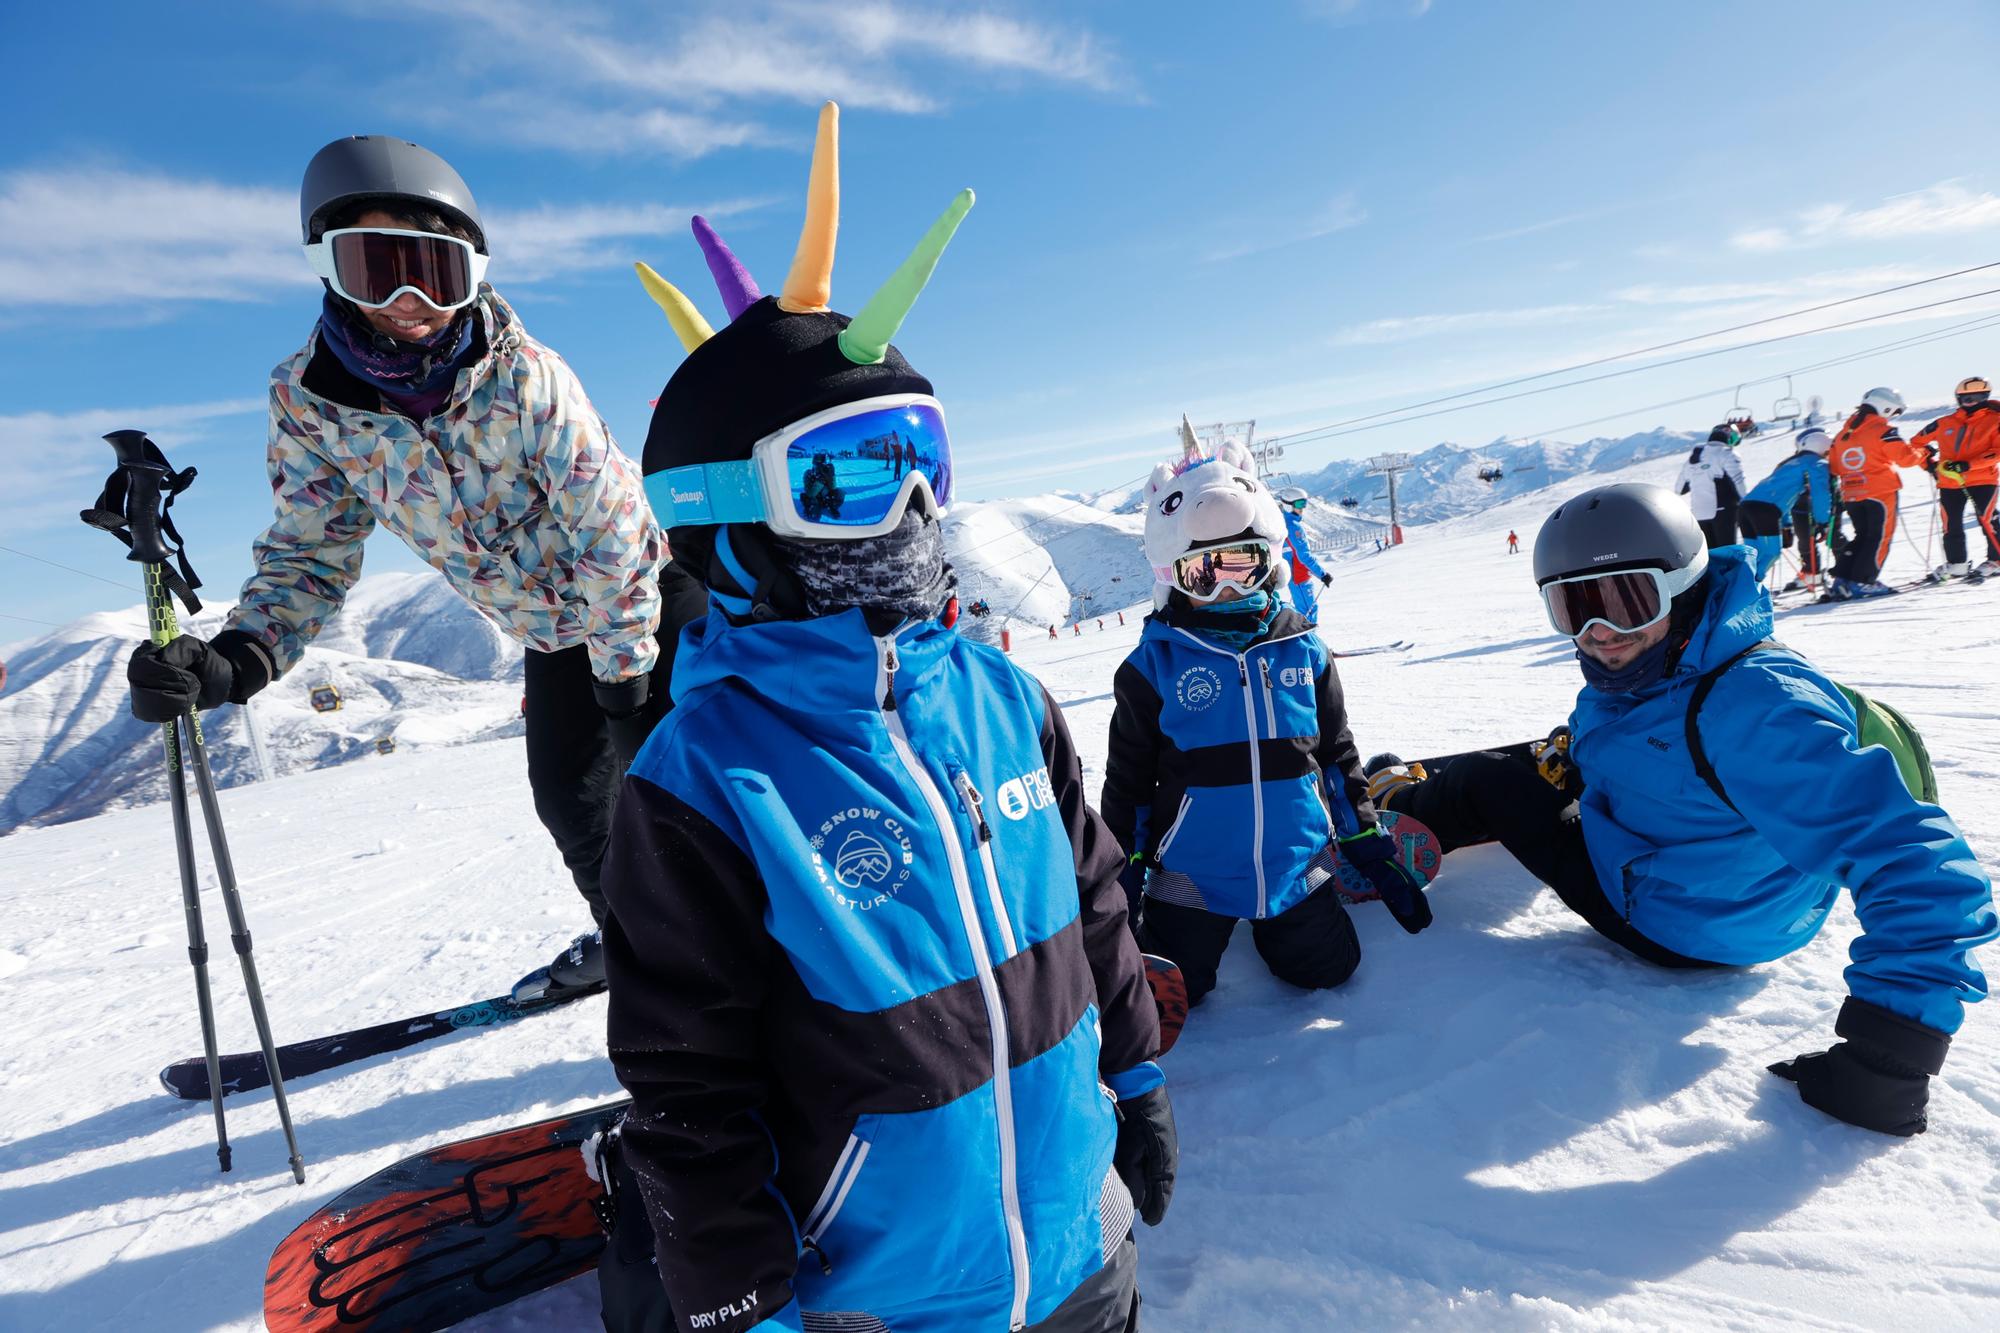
132	508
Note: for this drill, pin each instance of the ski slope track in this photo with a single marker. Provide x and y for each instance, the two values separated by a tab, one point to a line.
1502	1123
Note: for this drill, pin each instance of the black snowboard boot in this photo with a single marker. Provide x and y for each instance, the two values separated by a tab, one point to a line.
578	968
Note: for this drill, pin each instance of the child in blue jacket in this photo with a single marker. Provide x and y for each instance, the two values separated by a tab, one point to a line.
1231	771
1798	495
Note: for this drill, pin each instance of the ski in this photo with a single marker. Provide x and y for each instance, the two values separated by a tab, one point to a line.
437	1238
244	1072
1395	646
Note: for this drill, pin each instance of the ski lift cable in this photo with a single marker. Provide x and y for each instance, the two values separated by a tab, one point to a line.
8	615
1626	356
1336	431
30	555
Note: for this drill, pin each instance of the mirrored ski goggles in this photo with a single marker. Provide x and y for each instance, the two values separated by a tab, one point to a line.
1626	601
841	474
1244	566
372	266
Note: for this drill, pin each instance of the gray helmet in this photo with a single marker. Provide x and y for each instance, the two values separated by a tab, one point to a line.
1628	526
375	166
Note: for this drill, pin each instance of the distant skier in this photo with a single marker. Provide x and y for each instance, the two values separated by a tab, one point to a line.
420	403
1685	875
1513	543
1864	460
1226	679
1298	554
888	1039
1793	505
1962	451
1712	481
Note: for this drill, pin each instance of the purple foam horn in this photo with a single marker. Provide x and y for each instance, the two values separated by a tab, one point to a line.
738	288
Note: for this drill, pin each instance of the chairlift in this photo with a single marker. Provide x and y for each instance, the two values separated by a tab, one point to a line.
1491	473
385	745
1786	410
1349	502
325	698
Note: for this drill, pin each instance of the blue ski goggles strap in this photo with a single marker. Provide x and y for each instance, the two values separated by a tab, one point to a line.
705	493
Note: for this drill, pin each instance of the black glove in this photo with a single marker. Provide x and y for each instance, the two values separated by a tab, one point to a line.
623	703
1930	460
1326	580
1148	1152
1132	879
1879	1078
192	673
1786	533
1373	853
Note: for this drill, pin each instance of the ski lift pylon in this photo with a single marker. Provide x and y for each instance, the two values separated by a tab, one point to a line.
325	698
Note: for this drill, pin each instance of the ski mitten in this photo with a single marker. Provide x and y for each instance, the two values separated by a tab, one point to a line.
1373	853
169	679
1879	1077
1148	1152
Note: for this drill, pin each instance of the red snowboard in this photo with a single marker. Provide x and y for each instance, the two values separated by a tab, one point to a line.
1415	843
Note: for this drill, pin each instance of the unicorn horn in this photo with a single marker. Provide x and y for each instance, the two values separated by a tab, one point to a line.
810	282
738	288
1190	446
687	320
866	340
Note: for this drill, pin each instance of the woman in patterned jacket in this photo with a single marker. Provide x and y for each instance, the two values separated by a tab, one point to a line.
420	403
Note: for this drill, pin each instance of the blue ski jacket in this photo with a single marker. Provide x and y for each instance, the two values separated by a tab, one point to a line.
1803	471
871	985
1296	547
1233	769
1817	813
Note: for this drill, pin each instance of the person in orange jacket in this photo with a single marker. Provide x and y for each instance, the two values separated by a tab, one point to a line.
1864	460
1962	450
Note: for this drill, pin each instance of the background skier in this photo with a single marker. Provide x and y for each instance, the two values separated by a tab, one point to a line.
869	959
1218	826
1864	459
1797	498
1682	876
1712	481
419	402
1298	555
1961	449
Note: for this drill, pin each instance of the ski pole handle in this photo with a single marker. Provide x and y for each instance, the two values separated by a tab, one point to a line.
143	480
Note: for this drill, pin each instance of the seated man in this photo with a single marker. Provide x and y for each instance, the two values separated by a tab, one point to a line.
1685	872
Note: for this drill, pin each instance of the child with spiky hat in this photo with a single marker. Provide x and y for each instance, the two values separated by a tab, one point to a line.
873	993
1231	772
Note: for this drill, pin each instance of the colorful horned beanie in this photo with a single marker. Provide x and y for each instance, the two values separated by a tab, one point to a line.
1207	498
778	360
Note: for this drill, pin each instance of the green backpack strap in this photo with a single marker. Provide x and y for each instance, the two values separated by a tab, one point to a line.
1695	701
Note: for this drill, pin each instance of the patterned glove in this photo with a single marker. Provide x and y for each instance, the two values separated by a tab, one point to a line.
1373	853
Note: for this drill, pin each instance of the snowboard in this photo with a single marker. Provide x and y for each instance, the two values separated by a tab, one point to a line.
1416	845
1163	978
447	1234
245	1071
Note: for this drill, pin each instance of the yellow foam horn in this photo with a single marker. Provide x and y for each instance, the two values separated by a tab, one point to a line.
681	312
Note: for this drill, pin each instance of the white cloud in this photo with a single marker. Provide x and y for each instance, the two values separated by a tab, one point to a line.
1947	208
1340	213
1408	327
101	237
1834	283
54	460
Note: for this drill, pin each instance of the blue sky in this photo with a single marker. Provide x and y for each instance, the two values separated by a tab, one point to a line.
1299	211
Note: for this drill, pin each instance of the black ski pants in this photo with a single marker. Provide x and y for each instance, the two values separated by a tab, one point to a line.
574	767
1951	499
1874	527
1311	944
1720	530
1502	798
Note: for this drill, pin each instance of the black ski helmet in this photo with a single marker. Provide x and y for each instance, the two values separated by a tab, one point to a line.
375	166
1627	526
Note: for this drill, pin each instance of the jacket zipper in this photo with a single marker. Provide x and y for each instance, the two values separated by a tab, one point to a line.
1160	852
1270	709
1256	758
989	986
974	806
846	1170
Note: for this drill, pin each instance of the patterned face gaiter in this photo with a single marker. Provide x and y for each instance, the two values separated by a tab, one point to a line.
902	571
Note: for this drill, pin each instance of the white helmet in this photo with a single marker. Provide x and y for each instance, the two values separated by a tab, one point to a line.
1292	495
1886	401
1815	440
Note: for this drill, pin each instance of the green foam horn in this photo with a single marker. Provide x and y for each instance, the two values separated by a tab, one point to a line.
866	339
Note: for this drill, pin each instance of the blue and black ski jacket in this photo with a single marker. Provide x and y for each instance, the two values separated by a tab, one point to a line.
872	987
1816	812
1231	768
1803	471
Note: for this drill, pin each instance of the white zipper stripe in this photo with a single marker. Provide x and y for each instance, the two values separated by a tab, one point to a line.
1270	708
1256	759
993	898
814	1218
817	1228
1173	829
989	990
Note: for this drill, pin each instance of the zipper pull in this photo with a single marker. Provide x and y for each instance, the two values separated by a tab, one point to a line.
1264	665
889	665
973	806
1242	671
825	1264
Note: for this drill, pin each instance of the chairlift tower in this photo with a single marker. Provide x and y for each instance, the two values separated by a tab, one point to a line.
1390	465
1217	433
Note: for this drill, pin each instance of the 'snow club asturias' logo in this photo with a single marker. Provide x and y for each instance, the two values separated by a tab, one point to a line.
863	857
1197	688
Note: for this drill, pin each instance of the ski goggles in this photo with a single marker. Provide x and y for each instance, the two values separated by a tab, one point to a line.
1625	601
845	473
1203	574
372	266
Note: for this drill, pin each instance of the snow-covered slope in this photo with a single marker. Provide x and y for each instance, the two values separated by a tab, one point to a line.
1501	1123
